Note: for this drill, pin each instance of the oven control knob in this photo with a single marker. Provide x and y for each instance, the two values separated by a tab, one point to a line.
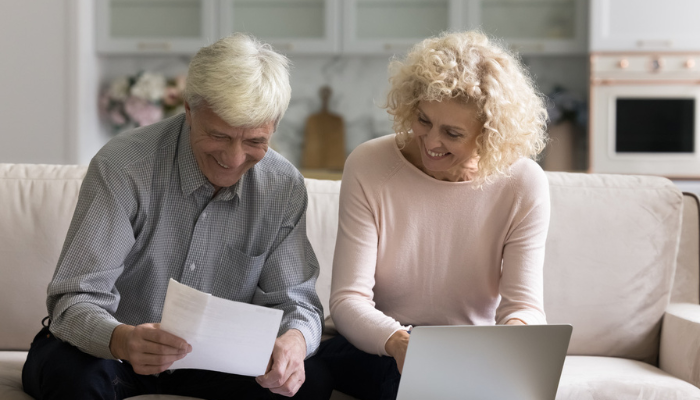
690	63
624	63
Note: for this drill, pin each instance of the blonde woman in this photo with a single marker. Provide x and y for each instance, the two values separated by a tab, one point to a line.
445	222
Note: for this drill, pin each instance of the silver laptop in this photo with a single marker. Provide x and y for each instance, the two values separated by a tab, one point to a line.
522	362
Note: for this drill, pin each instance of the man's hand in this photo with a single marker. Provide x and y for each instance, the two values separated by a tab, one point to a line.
515	321
148	349
285	372
396	347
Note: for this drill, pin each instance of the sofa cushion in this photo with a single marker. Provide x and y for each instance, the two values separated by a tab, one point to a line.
686	284
37	206
610	259
11	363
322	230
608	378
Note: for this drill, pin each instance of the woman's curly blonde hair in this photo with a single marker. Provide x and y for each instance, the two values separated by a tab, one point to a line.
470	67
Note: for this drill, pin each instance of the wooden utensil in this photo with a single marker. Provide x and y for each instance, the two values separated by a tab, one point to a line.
324	140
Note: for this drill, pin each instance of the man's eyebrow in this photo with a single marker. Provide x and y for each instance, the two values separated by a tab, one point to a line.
212	131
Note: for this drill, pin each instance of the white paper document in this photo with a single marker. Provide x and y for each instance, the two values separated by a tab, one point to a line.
226	336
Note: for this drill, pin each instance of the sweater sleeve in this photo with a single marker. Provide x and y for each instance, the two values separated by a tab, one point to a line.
355	261
522	282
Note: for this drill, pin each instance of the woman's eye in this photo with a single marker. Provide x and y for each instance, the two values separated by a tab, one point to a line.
423	121
453	135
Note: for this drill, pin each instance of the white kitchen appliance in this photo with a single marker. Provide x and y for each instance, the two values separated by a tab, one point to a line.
645	114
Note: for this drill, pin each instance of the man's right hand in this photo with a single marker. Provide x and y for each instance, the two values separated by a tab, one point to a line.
148	349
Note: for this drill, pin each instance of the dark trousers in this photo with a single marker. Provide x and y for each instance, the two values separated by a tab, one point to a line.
359	374
57	370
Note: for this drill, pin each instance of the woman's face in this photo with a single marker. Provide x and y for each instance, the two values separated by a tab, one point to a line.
445	133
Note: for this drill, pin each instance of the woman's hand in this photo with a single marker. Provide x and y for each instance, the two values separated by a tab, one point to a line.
515	321
396	347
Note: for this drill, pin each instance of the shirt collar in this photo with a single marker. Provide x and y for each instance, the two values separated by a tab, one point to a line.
191	177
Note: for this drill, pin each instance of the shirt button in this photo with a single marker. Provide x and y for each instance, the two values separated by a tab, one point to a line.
192	267
204	215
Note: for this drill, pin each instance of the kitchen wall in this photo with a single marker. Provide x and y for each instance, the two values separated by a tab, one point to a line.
359	85
33	76
51	78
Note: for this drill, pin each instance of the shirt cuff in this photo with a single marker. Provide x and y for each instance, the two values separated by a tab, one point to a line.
101	337
311	344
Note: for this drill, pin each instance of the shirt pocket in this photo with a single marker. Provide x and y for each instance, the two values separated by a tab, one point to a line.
238	275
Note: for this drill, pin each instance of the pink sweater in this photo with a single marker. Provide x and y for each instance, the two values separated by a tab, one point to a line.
413	250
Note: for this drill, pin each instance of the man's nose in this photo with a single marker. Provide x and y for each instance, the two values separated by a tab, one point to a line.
235	156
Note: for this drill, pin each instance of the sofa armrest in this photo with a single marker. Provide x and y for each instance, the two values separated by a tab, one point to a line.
679	354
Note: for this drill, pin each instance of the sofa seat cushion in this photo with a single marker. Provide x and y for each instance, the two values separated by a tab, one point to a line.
11	363
608	378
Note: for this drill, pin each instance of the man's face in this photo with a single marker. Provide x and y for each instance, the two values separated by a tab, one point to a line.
224	152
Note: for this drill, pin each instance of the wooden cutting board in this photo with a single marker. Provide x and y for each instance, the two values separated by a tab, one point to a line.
324	138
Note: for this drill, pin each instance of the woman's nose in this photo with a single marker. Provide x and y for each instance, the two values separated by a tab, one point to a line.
432	138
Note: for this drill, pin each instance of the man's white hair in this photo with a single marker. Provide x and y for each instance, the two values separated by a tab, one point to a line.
242	80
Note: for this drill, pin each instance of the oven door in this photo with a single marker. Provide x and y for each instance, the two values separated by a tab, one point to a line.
650	129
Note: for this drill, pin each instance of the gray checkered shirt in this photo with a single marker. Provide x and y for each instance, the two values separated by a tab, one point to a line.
146	214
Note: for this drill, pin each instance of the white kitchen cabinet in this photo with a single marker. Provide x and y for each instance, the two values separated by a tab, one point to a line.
337	26
645	25
154	26
532	26
393	26
290	26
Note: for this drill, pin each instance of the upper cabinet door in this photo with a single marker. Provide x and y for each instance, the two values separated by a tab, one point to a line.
290	26
532	26
393	26
155	26
652	25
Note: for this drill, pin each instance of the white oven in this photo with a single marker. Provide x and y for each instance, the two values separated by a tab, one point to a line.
645	114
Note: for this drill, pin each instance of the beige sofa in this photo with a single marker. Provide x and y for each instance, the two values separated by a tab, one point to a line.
610	271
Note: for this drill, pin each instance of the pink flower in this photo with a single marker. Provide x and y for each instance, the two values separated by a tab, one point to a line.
141	111
117	118
172	96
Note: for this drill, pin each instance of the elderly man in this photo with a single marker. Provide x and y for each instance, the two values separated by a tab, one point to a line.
200	198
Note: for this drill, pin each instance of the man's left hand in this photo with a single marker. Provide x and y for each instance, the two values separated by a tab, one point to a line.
285	372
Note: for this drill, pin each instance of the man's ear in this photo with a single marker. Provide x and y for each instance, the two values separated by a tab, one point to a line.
188	114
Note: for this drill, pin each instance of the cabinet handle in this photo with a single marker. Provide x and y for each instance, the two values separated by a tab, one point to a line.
163	46
655	43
